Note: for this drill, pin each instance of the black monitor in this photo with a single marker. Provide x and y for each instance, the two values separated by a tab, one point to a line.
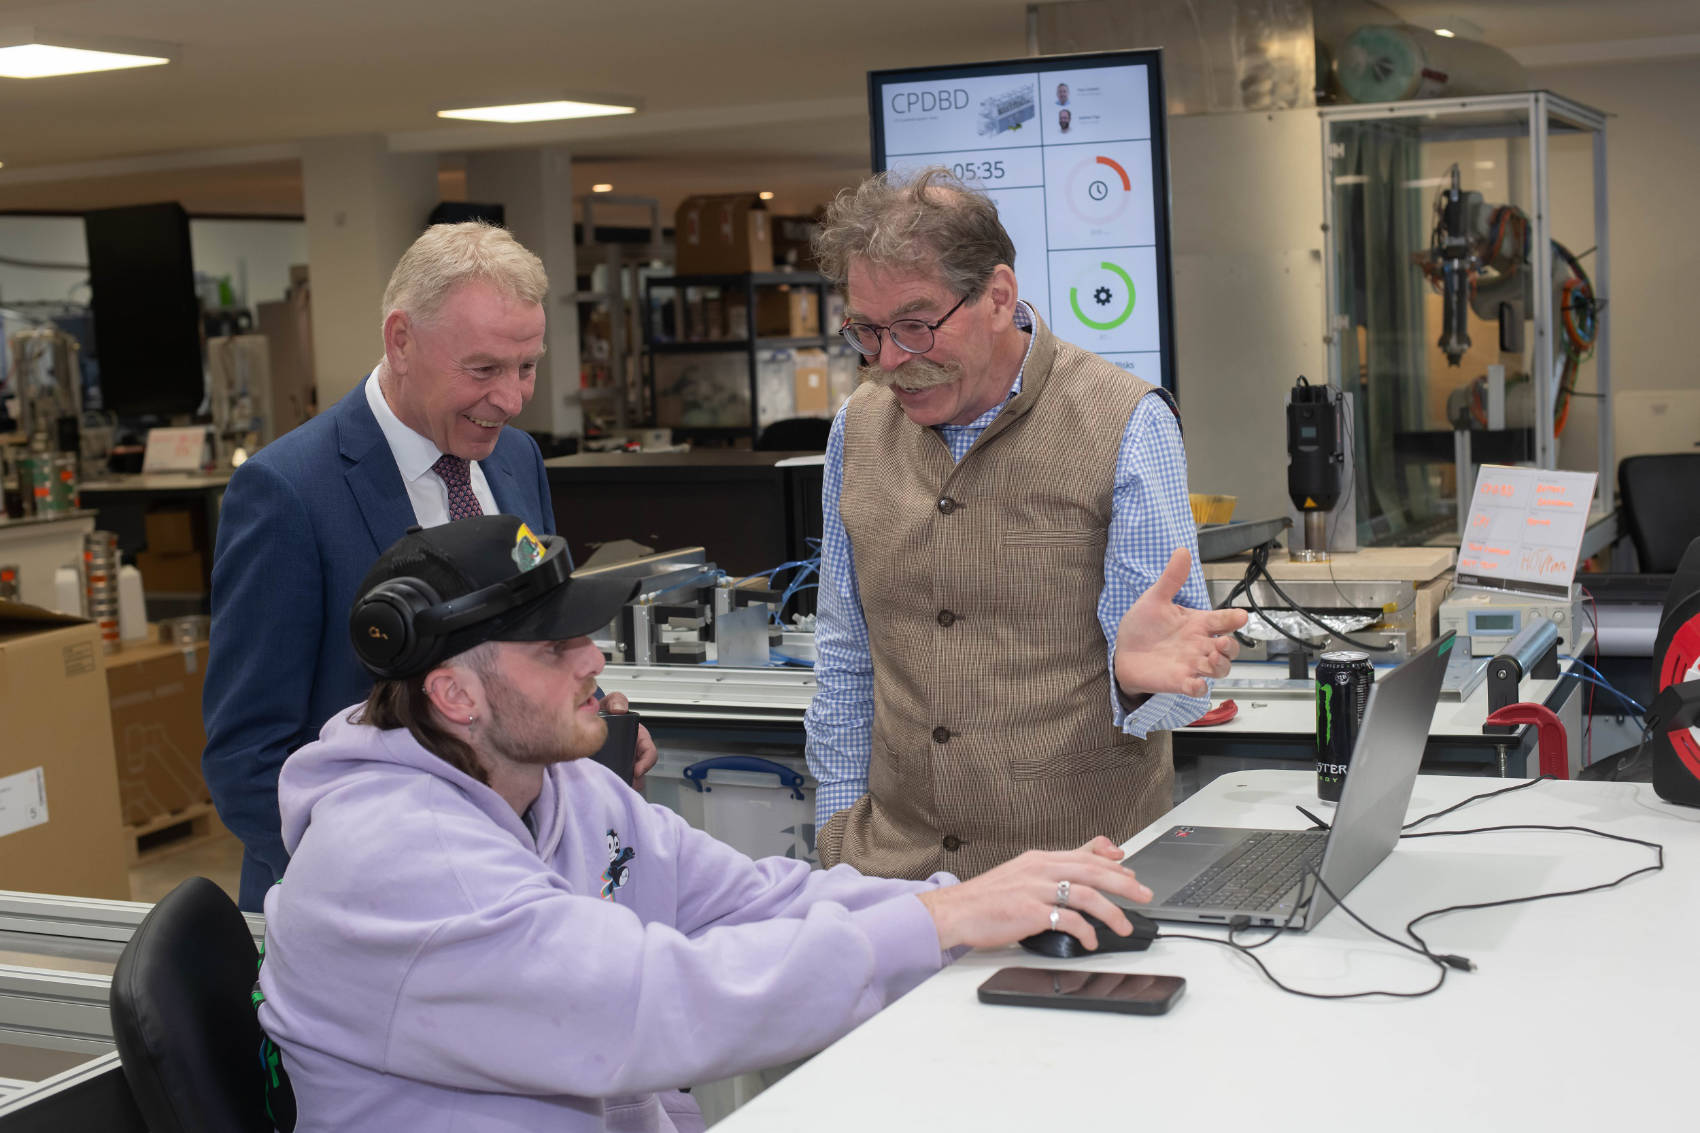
1073	150
146	313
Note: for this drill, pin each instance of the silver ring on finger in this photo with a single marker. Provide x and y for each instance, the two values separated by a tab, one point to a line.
1056	914
1062	892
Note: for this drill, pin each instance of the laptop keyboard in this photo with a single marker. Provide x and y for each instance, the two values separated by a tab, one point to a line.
1263	869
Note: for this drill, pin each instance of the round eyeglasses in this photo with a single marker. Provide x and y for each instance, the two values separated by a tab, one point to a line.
911	335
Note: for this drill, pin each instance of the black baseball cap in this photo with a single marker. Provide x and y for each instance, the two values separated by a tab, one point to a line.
487	578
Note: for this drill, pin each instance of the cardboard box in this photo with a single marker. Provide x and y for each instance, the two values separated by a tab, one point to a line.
787	312
288	329
172	532
722	235
59	819
813	392
1425	618
154	693
172	572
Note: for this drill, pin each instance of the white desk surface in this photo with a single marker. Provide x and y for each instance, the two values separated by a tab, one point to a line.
158	482
31	522
1581	1015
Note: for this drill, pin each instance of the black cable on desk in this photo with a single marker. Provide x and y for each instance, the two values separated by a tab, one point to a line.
1442	961
1658	864
1259	568
1259	556
1468	801
1240	924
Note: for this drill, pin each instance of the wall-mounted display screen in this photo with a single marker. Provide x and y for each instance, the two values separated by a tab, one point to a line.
147	317
1072	148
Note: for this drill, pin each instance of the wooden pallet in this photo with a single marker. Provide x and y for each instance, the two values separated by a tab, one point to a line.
171	833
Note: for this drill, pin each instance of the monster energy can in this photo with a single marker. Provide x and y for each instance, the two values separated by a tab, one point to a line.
1342	691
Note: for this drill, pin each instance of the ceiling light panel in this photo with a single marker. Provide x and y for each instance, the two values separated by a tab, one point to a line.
537	111
32	53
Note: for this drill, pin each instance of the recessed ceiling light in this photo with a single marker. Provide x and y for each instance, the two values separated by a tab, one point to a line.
765	194
604	187
1445	33
30	53
538	111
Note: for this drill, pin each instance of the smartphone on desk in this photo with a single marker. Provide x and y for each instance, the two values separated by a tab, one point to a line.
1132	993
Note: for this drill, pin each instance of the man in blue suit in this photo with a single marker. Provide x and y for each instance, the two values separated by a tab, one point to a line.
422	440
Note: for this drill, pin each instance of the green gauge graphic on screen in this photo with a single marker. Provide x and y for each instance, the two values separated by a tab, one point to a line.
1111	309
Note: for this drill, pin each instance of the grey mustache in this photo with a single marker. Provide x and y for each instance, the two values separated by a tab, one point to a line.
917	373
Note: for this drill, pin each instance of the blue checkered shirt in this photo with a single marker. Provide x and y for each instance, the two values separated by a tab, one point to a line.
1149	518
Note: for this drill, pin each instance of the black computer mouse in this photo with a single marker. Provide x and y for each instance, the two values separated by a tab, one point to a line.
1055	942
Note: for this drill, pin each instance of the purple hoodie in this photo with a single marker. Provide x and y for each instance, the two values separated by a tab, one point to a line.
431	965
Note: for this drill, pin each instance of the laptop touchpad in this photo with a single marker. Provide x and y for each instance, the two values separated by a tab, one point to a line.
1165	866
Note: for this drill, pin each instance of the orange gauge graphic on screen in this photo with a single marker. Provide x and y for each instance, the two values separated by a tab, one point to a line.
1099	190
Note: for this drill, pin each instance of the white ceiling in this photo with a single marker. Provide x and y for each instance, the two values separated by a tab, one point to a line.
736	93
252	71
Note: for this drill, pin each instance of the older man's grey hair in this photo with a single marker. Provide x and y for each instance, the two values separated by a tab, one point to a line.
447	255
925	221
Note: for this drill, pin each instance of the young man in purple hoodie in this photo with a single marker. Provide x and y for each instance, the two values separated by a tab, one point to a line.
481	928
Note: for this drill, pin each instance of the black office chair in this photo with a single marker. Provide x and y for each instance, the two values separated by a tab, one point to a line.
184	1019
795	434
1661	506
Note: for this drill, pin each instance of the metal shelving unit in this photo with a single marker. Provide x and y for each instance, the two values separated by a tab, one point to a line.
745	285
623	266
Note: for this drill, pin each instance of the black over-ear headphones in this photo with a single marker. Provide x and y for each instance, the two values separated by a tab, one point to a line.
400	627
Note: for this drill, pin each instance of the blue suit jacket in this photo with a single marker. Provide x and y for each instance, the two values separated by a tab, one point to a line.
301	524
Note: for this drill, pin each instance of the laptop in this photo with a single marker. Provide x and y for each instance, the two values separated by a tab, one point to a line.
1213	874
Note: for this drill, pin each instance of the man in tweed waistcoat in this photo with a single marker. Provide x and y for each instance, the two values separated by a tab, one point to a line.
1009	616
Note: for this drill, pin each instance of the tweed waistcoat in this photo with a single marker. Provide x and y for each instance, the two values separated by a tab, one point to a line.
980	582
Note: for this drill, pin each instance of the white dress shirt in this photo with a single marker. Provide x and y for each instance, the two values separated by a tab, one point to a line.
414	456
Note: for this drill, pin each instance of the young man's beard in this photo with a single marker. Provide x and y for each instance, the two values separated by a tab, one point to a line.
521	733
916	374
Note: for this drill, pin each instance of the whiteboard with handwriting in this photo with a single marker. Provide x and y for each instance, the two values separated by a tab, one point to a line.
1525	529
179	449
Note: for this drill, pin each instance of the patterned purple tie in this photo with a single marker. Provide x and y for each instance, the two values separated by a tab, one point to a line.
457	478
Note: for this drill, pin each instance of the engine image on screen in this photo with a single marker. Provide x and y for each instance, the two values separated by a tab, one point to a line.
1007	111
1072	149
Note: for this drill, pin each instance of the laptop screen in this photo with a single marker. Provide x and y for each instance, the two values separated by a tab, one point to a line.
1385	761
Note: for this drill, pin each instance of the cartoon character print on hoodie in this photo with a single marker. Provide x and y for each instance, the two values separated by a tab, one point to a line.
619	868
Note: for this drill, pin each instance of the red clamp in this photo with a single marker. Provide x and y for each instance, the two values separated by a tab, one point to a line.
1554	748
1220	714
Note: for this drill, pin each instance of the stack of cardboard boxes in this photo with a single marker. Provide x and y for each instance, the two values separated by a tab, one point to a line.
59	818
102	753
722	235
733	235
175	561
787	312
